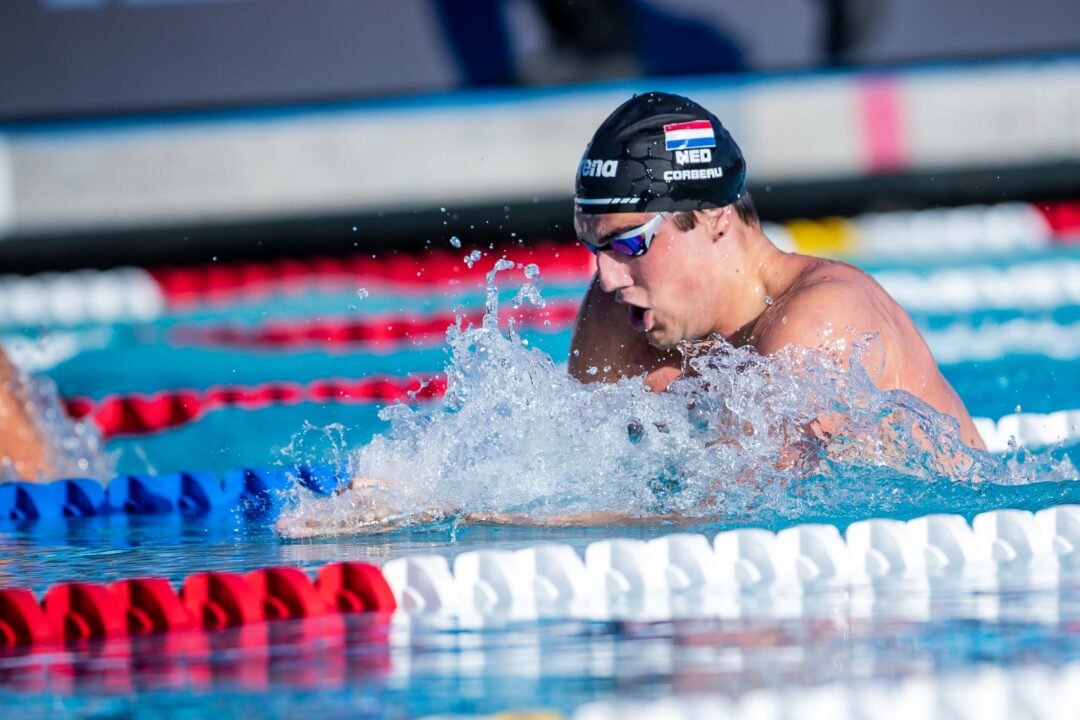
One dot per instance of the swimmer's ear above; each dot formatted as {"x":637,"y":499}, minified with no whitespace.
{"x":717,"y":220}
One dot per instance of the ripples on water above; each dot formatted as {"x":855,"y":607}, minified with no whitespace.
{"x":727,"y":443}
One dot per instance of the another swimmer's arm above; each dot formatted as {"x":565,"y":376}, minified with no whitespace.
{"x":20,"y":442}
{"x":604,"y":348}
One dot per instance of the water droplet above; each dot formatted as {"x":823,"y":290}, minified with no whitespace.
{"x":455,"y":241}
{"x":592,"y":370}
{"x":532,"y":271}
{"x":362,"y":293}
{"x":769,"y":301}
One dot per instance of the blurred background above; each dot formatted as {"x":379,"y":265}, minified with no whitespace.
{"x":222,"y":221}
{"x":153,"y":131}
{"x":232,"y":232}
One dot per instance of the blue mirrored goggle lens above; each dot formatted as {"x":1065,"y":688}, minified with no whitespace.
{"x":624,"y":246}
{"x":634,"y":243}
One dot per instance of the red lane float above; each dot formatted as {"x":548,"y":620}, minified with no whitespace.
{"x":150,"y":605}
{"x":138,"y":414}
{"x":22,"y":621}
{"x":220,"y":282}
{"x":220,"y":599}
{"x":81,"y":611}
{"x":381,"y":331}
{"x":78,"y":611}
{"x":354,"y":587}
{"x":1063,"y":218}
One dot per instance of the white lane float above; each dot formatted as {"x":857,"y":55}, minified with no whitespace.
{"x":748,"y":571}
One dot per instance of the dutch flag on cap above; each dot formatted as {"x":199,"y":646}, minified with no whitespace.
{"x":686,"y":135}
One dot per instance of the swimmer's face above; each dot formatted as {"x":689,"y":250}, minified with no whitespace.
{"x":670,"y":292}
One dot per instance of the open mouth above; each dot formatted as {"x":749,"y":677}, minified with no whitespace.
{"x":637,"y":317}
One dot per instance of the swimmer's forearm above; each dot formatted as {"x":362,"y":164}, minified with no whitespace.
{"x":373,"y":522}
{"x":591,"y":519}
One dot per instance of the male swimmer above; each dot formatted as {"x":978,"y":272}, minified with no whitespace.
{"x":661,"y":201}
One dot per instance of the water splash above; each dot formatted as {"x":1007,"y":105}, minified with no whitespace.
{"x":738,"y":439}
{"x":73,"y":449}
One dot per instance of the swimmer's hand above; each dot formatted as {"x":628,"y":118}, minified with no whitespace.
{"x":361,"y":508}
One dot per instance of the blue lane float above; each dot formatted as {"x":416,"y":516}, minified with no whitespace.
{"x":183,"y":492}
{"x":63,"y":498}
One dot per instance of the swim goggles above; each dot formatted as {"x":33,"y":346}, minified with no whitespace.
{"x":632,"y":243}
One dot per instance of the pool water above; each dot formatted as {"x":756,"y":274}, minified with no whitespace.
{"x":373,"y":667}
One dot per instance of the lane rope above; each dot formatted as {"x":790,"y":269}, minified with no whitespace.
{"x":203,"y":492}
{"x":137,"y":295}
{"x":145,"y":413}
{"x":800,"y":571}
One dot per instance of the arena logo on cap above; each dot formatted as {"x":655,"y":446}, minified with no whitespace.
{"x":686,"y":135}
{"x":599,"y":168}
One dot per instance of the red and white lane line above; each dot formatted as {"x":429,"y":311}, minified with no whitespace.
{"x":804,"y":571}
{"x":431,"y":270}
{"x":142,"y":414}
{"x":371,"y":332}
{"x":136,"y":295}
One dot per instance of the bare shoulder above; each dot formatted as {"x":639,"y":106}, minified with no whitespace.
{"x":833,"y":303}
{"x":830,"y":305}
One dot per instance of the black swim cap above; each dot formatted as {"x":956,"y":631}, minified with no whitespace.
{"x":656,"y":152}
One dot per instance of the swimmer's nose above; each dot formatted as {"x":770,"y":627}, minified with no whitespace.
{"x":613,"y":274}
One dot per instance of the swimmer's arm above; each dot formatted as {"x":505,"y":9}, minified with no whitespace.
{"x":19,"y":439}
{"x":605,"y":343}
{"x":373,"y":519}
{"x":583,"y":520}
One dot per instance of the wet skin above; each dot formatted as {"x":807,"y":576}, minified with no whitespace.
{"x":20,"y":441}
{"x":714,"y":279}
{"x":690,"y":285}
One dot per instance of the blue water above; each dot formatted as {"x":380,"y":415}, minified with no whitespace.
{"x":371,"y":669}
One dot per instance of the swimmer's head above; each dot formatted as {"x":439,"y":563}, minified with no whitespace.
{"x":661,"y":199}
{"x":659,"y":152}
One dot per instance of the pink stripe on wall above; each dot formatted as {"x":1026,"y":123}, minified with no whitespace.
{"x":884,"y":147}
